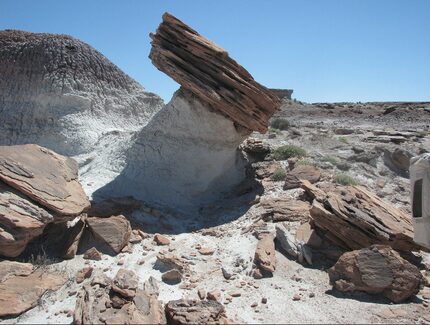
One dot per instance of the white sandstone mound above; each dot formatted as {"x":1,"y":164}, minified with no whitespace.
{"x":61,"y":93}
{"x":186,"y":156}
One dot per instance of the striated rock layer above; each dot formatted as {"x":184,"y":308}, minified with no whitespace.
{"x":206,"y":69}
{"x":61,"y":93}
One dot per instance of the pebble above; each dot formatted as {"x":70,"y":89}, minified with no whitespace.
{"x":264,"y":300}
{"x":201,"y":293}
{"x":311,"y":295}
{"x":296,"y":297}
{"x":254,"y":304}
{"x":214,"y":295}
{"x":161,"y":240}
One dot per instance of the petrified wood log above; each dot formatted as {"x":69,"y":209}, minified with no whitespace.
{"x":207,"y":70}
{"x":356,"y":218}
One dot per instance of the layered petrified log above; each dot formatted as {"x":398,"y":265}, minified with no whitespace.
{"x":206,"y":69}
{"x":355,"y":218}
{"x":44,"y":176}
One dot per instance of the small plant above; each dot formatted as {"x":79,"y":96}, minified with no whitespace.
{"x":343,"y":139}
{"x":288,"y":151}
{"x":273,"y":130}
{"x":279,"y":174}
{"x":344,"y":179}
{"x":306,"y":162}
{"x":330,"y":159}
{"x":280,"y":124}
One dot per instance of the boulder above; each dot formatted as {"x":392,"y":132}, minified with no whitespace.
{"x":184,"y":311}
{"x":264,"y":257}
{"x":398,"y":161}
{"x":21,"y":221}
{"x":302,"y":172}
{"x":44,"y":176}
{"x":355,"y":218}
{"x":286,"y":240}
{"x":114,"y":231}
{"x":206,"y":70}
{"x":284,"y":208}
{"x":376,"y":270}
{"x":256,"y":148}
{"x":22,"y":286}
{"x":125,"y":283}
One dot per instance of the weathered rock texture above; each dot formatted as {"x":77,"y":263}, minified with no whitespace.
{"x":207,"y":70}
{"x":282,"y":93}
{"x":61,"y":93}
{"x":355,"y":218}
{"x":103,"y":302}
{"x":45,"y":177}
{"x":376,"y":270}
{"x":21,"y":286}
{"x":37,"y":187}
{"x":181,"y":312}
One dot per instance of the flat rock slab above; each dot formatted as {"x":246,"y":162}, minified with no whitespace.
{"x":376,"y":270}
{"x":195,"y":312}
{"x":284,"y":208}
{"x":21,"y":220}
{"x":300,"y":173}
{"x":46,"y":177}
{"x":21,"y":290}
{"x":206,"y":70}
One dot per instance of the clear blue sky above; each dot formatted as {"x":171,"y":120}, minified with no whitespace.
{"x":326,"y":50}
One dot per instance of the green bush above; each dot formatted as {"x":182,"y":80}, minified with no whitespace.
{"x":288,"y":151}
{"x":280,"y":124}
{"x":343,"y":139}
{"x":330,"y":159}
{"x":307,"y":162}
{"x":279,"y":174}
{"x":344,"y":179}
{"x":272,"y":130}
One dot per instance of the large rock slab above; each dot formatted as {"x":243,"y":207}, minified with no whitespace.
{"x":21,"y":290}
{"x":376,"y":270}
{"x":183,"y":311}
{"x":114,"y":231}
{"x":284,"y":208}
{"x":20,"y":221}
{"x":206,"y":69}
{"x":356,"y":218}
{"x":46,"y":177}
{"x":302,"y":172}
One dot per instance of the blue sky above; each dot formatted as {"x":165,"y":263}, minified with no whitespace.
{"x":326,"y":50}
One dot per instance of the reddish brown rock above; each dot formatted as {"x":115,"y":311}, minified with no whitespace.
{"x":161,"y":240}
{"x":73,"y":242}
{"x":184,"y":311}
{"x":83,"y":274}
{"x":46,"y":177}
{"x":302,"y":172}
{"x":376,"y":270}
{"x":21,"y":221}
{"x":114,"y":231}
{"x":207,"y":70}
{"x":93,"y":254}
{"x":284,"y":208}
{"x":265,"y":258}
{"x":21,"y":290}
{"x":125,"y":283}
{"x":355,"y":218}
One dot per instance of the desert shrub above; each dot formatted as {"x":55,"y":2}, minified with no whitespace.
{"x":279,"y":174}
{"x":307,"y":162}
{"x":288,"y":151}
{"x":330,"y":159}
{"x":280,"y":124}
{"x":344,"y":179}
{"x":273,"y":130}
{"x":343,"y":139}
